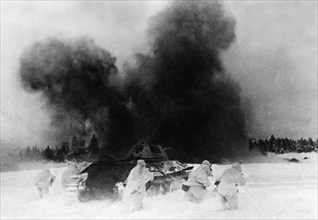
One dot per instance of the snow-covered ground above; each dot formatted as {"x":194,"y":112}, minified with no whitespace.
{"x":274,"y":191}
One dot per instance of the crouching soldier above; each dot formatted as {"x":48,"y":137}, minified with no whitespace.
{"x":198,"y":182}
{"x":227,"y":187}
{"x":73,"y":182}
{"x":136,"y":185}
{"x":67,"y":176}
{"x":74,"y":187}
{"x":43,"y":181}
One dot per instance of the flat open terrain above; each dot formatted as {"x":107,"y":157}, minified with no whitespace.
{"x":273,"y":191}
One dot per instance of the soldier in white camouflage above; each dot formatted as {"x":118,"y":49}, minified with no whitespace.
{"x":198,"y":182}
{"x":43,"y":181}
{"x":136,"y":185}
{"x":227,"y":187}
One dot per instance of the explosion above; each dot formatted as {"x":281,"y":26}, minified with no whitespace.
{"x":178,"y":95}
{"x":182,"y":86}
{"x":74,"y":79}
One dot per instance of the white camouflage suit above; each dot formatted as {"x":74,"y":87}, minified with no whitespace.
{"x":70,"y":171}
{"x":227,"y":188}
{"x":198,"y":182}
{"x":136,"y":185}
{"x":43,"y":181}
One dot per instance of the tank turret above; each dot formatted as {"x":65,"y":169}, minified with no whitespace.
{"x":103,"y":176}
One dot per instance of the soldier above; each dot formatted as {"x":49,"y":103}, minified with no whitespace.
{"x":70,"y":171}
{"x":227,"y":187}
{"x":71,"y":181}
{"x":136,"y":185}
{"x":198,"y":182}
{"x":43,"y":181}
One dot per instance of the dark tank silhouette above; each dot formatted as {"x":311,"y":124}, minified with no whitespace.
{"x":104,"y":175}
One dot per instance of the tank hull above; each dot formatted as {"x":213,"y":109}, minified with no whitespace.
{"x":103,"y":178}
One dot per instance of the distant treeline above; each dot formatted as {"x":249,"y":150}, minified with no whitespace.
{"x":283,"y":145}
{"x":76,"y":149}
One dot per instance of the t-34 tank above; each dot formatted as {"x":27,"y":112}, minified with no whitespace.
{"x":104,"y":175}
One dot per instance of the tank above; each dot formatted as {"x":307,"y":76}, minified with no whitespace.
{"x":104,"y":177}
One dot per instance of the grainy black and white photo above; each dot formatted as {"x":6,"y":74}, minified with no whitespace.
{"x":194,"y":109}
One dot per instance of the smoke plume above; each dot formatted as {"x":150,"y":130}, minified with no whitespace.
{"x":181,"y":94}
{"x":74,"y":79}
{"x":178,"y":95}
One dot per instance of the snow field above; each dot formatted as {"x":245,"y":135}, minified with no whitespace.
{"x":273,"y":191}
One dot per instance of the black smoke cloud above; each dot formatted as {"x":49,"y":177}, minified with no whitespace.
{"x":180,"y":92}
{"x":178,"y":95}
{"x":74,"y":79}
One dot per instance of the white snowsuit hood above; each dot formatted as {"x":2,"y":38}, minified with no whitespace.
{"x":237,"y":166}
{"x":199,"y":177}
{"x":230,"y":179}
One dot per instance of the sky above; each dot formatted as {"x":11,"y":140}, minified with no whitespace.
{"x":274,"y":58}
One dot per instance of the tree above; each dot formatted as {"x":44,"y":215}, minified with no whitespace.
{"x":93,"y":147}
{"x":81,"y":146}
{"x":74,"y":144}
{"x":59,"y":157}
{"x":310,"y":142}
{"x":36,"y":153}
{"x":65,"y":147}
{"x":21,"y":154}
{"x":49,"y":153}
{"x":28,"y":153}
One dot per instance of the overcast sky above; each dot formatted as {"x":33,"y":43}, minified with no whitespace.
{"x":274,"y":57}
